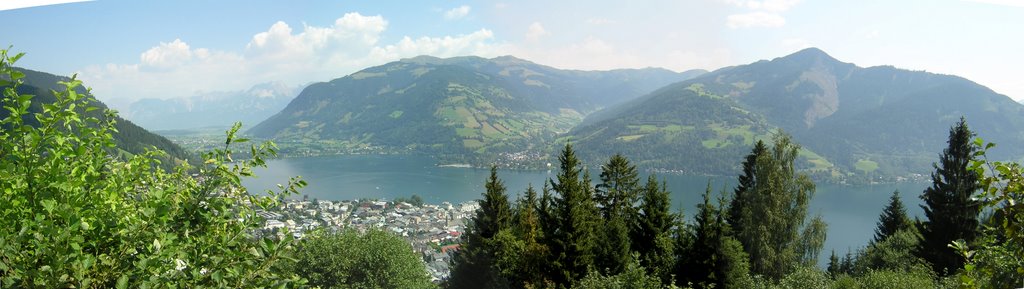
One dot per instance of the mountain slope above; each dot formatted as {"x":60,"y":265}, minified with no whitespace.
{"x":456,"y":107}
{"x":129,"y":137}
{"x":219,"y":109}
{"x":867,"y":120}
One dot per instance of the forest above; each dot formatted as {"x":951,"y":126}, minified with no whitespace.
{"x":74,"y":213}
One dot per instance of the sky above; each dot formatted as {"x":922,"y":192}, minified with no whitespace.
{"x":128,"y":50}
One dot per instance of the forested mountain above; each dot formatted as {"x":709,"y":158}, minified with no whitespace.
{"x":457,"y":106}
{"x":129,"y":137}
{"x":880,"y":120}
{"x":219,"y":109}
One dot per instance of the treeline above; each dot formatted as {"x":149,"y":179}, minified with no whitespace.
{"x":621,"y":234}
{"x":574,"y":233}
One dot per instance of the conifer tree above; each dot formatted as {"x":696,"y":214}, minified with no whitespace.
{"x":894,"y":218}
{"x":617,"y":192}
{"x":616,"y":196}
{"x":652,"y":234}
{"x":702,"y":257}
{"x":746,"y":182}
{"x":573,"y":239}
{"x":533,"y":262}
{"x":833,"y":264}
{"x":951,"y":214}
{"x":474,"y":265}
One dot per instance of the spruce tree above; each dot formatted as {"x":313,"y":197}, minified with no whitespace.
{"x":533,"y":261}
{"x":617,"y":192}
{"x":894,"y":218}
{"x":474,"y":265}
{"x":573,"y":239}
{"x":746,"y":183}
{"x":616,"y":196}
{"x":951,"y":214}
{"x":652,"y":234}
{"x":702,"y":256}
{"x":833,"y":264}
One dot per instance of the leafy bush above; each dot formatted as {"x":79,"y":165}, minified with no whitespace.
{"x":348,"y":259}
{"x":73,"y":215}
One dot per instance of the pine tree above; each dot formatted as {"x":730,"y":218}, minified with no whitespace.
{"x":617,"y":192}
{"x":702,"y":257}
{"x":652,"y":233}
{"x":533,"y":262}
{"x":616,"y":196}
{"x":894,"y":218}
{"x":833,"y":264}
{"x":474,"y":265}
{"x":950,"y":212}
{"x":573,"y":239}
{"x":746,"y":182}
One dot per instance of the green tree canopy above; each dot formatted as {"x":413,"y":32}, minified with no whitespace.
{"x":950,"y":211}
{"x":349,"y":259}
{"x":74,"y":215}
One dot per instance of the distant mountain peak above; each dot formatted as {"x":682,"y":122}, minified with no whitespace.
{"x":809,"y":56}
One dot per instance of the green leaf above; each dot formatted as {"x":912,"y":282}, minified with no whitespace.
{"x":122,"y":282}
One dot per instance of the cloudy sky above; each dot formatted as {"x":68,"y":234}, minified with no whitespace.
{"x":127,"y":50}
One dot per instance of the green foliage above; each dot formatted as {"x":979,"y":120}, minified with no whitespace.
{"x":616,"y":196}
{"x":129,"y":139}
{"x":349,"y":259}
{"x":714,"y":259}
{"x":772,"y":222}
{"x":745,"y":183}
{"x":996,"y":260}
{"x":573,"y":240}
{"x":895,"y":252}
{"x":632,"y":276}
{"x":487,"y":258}
{"x":893,"y":219}
{"x":950,"y":210}
{"x":73,"y":215}
{"x":652,"y":236}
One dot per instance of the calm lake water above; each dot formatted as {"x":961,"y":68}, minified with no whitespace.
{"x":850,"y":211}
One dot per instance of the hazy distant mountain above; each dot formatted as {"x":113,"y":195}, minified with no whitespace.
{"x":130,"y":137}
{"x":212,"y":108}
{"x":457,"y":105}
{"x":876,"y":119}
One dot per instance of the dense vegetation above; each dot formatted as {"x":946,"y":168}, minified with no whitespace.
{"x":619,"y":234}
{"x":71,"y":215}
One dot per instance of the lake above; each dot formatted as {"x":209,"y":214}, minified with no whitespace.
{"x":850,"y":211}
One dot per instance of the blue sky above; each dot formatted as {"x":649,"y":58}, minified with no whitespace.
{"x":128,"y":50}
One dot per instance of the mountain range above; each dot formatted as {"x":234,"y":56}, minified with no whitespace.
{"x":464,"y":108}
{"x":212,"y":109}
{"x":876,"y":120}
{"x":851,"y":120}
{"x":129,"y":137}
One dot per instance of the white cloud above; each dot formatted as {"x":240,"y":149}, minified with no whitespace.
{"x":536,"y":31}
{"x":755,"y":19}
{"x":281,"y":53}
{"x":457,"y":12}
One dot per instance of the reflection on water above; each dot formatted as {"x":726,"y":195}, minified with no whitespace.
{"x":850,"y":211}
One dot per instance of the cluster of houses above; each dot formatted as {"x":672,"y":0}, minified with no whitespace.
{"x":432,"y":230}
